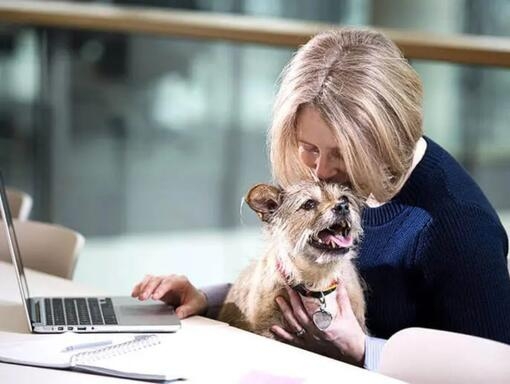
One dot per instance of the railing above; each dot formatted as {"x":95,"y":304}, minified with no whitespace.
{"x":465,"y":49}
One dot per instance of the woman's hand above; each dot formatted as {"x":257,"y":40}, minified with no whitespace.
{"x":342,"y":340}
{"x":174,"y":290}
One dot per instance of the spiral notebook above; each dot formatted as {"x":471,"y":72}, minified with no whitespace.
{"x":140,"y":357}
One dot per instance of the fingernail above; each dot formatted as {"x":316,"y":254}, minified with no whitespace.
{"x":180,"y":314}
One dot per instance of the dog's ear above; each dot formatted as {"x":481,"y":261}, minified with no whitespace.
{"x":264,"y":199}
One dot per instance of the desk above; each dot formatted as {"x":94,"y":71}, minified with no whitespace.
{"x":229,"y":355}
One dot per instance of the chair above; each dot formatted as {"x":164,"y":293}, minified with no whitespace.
{"x":20,"y":203}
{"x":45,"y":247}
{"x":419,"y":355}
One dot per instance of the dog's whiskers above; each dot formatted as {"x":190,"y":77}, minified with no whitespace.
{"x":303,"y":240}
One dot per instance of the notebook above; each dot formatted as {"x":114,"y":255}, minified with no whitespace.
{"x":140,"y":357}
{"x":82,"y":314}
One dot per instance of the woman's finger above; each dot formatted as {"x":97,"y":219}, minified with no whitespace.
{"x":288,"y":314}
{"x":150,"y":286}
{"x":298,"y":308}
{"x":165,"y":287}
{"x":342,"y":298}
{"x":137,"y":291}
{"x":286,"y":336}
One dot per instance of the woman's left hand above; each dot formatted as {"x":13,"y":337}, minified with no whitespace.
{"x":343,"y":340}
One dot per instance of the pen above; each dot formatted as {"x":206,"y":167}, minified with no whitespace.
{"x":86,"y":345}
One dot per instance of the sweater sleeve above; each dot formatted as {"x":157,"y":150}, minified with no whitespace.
{"x":215,"y":295}
{"x":467,"y":284}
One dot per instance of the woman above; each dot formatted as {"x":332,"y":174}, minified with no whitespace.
{"x":434,"y":251}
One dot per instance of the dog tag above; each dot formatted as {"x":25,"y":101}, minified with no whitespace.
{"x":322,"y":318}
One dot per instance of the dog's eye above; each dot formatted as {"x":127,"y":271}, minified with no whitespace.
{"x":309,"y":204}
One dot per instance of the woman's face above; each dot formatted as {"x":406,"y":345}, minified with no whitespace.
{"x":317,"y":146}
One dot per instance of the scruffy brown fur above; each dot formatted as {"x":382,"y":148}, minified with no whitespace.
{"x":294,"y":221}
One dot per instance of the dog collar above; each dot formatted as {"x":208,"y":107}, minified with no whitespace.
{"x":301,"y":289}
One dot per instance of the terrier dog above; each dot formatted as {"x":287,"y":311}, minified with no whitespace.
{"x":313,"y":232}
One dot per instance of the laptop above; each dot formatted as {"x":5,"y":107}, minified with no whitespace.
{"x":83,"y":314}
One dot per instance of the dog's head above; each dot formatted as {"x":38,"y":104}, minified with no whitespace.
{"x":319,"y":221}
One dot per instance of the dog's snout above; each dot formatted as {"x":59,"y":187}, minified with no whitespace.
{"x":342,"y":207}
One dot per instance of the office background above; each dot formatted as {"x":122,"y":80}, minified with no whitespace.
{"x":146,"y":144}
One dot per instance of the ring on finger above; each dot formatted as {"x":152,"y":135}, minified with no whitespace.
{"x":300,"y":333}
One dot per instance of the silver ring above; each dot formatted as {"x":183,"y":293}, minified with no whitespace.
{"x":301,"y":332}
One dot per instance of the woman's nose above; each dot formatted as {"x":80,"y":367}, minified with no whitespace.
{"x":324,"y":169}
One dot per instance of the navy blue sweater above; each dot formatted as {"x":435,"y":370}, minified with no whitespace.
{"x":435,"y":256}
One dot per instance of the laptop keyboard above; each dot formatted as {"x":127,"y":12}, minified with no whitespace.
{"x":79,"y":311}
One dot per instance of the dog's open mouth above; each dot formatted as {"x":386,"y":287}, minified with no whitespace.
{"x":335,"y":238}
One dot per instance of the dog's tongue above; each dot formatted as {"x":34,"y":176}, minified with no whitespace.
{"x":341,"y":241}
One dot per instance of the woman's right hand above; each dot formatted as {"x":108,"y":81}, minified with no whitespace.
{"x":175,"y":290}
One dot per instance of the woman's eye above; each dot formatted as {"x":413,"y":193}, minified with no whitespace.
{"x":308,"y":205}
{"x":310,"y":149}
{"x":335,"y":155}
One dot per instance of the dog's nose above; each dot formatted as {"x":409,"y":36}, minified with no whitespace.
{"x":342,"y":207}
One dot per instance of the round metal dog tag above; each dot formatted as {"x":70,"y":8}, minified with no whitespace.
{"x":322,"y":319}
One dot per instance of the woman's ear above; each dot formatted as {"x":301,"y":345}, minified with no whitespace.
{"x":264,"y":199}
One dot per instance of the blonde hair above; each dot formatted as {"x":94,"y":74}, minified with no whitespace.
{"x":367,"y":93}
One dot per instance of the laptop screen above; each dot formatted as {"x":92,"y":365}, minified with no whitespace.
{"x":12,"y":245}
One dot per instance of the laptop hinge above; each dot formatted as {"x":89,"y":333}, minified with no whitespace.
{"x":35,"y":310}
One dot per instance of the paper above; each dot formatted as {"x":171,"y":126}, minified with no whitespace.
{"x":48,"y":351}
{"x":143,"y":357}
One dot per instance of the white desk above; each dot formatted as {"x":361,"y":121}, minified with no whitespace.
{"x":230,"y":355}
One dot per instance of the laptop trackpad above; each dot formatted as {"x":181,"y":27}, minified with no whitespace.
{"x":131,"y":311}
